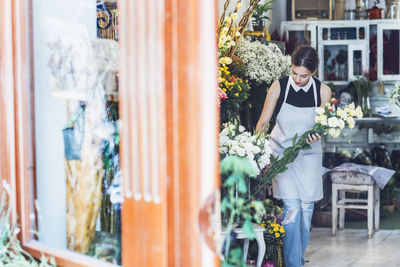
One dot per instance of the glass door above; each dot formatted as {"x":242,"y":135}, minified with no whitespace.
{"x":388,"y":51}
{"x":358,"y":62}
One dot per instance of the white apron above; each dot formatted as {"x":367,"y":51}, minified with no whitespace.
{"x":303,"y":178}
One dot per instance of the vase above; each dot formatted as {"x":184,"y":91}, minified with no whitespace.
{"x":258,"y":25}
{"x":365,"y":106}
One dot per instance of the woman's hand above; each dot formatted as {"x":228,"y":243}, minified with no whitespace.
{"x":312,"y":138}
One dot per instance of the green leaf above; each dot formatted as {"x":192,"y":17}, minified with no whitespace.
{"x":226,"y":264}
{"x":242,"y":187}
{"x":248,"y":230}
{"x":232,"y":180}
{"x":259,"y":206}
{"x":236,"y":255}
{"x":240,"y":202}
{"x":294,"y":140}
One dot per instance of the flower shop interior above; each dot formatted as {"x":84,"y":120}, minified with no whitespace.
{"x":357,"y":42}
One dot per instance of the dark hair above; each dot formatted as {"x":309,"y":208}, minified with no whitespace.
{"x":305,"y":56}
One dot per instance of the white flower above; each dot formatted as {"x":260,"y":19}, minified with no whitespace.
{"x":350,"y":121}
{"x":334,"y":132}
{"x":320,"y":110}
{"x":237,"y":34}
{"x":323,"y":120}
{"x":250,"y":156}
{"x":223,"y":140}
{"x":267,"y":150}
{"x":341,"y":124}
{"x":332,"y":122}
{"x":241,"y":129}
{"x":239,"y":5}
{"x":337,"y":133}
{"x":341,"y":113}
{"x":358,"y":112}
{"x":241,"y":152}
{"x":263,"y":63}
{"x":256,"y":150}
{"x":255,"y":166}
{"x":223,"y":150}
{"x":225,"y":131}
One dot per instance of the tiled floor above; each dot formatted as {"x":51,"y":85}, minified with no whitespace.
{"x":352,"y":248}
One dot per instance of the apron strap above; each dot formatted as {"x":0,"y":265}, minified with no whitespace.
{"x":315,"y":92}
{"x":287,"y":89}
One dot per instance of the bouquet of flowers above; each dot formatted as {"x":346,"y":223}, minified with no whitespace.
{"x":394,"y":96}
{"x":274,"y":231}
{"x":263,"y":63}
{"x":234,"y":140}
{"x":327,"y":121}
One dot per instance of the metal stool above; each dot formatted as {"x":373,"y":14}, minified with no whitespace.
{"x":349,"y":181}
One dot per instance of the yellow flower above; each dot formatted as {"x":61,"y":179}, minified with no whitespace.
{"x":282,"y":230}
{"x":237,"y":34}
{"x":228,"y":20}
{"x":222,"y":60}
{"x":277,"y":235}
{"x":234,"y":16}
{"x":237,"y":94}
{"x":270,"y":231}
{"x":262,"y":225}
{"x":239,"y":6}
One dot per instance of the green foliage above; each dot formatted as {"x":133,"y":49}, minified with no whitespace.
{"x":11,"y":253}
{"x":235,"y":205}
{"x":260,"y":9}
{"x":363,"y":87}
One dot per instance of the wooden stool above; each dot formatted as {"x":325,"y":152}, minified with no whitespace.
{"x":260,"y":242}
{"x":349,"y":181}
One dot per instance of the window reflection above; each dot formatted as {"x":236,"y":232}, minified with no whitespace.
{"x":77,"y":126}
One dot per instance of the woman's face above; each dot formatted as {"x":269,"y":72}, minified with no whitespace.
{"x":300,"y":75}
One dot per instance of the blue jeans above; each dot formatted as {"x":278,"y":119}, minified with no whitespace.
{"x":296,"y":222}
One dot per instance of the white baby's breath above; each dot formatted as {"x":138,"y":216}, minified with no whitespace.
{"x":235,"y":140}
{"x":264,"y":63}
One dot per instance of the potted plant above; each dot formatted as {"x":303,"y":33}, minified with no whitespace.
{"x":259,"y":15}
{"x":363,"y":88}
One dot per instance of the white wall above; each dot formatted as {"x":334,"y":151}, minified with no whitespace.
{"x":50,"y":118}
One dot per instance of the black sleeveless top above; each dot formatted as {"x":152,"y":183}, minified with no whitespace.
{"x":298,"y":99}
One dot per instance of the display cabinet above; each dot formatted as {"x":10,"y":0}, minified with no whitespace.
{"x":349,"y":48}
{"x":296,"y":33}
{"x":343,"y":50}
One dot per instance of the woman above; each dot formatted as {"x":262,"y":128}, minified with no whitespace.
{"x":293,"y":100}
